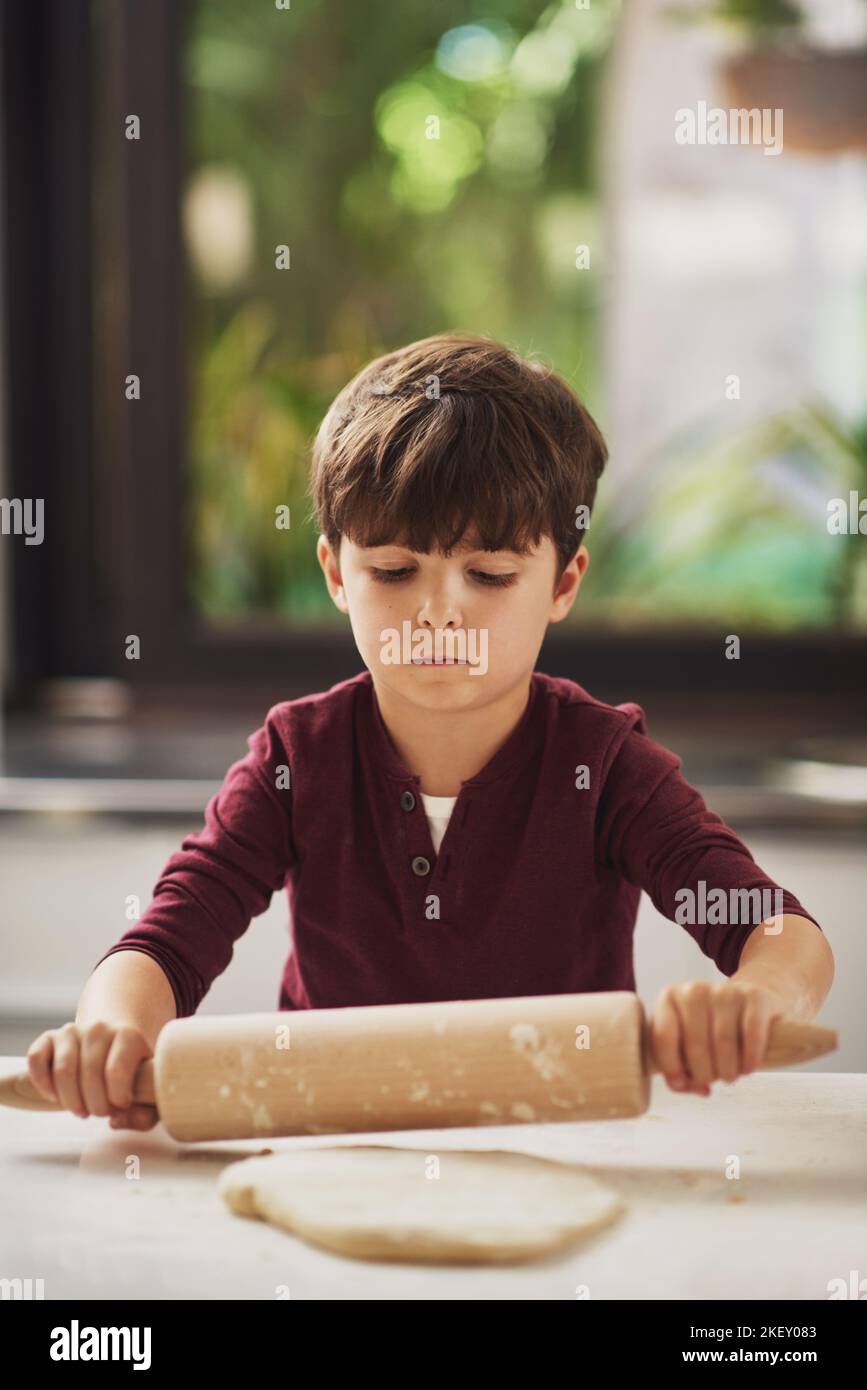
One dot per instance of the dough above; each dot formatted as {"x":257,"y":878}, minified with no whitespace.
{"x":378,"y":1203}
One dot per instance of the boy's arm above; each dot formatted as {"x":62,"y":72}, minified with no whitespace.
{"x":797,"y":964}
{"x":655,"y":829}
{"x":221,"y":877}
{"x":128,"y":989}
{"x":164,"y":964}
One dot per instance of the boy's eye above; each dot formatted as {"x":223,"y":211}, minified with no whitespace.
{"x":394,"y":576}
{"x":493,"y":578}
{"x":390,"y":576}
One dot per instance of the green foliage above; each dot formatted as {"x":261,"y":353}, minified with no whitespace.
{"x":759,"y":20}
{"x":731,"y":527}
{"x":320,"y":115}
{"x":761,"y":15}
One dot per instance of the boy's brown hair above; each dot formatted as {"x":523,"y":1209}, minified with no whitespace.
{"x":450,"y":431}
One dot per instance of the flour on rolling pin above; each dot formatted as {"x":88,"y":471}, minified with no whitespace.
{"x":403,"y":1066}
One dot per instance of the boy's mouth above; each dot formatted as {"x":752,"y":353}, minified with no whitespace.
{"x":430,"y":661}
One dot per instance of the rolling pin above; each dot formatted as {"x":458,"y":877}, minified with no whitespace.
{"x":533,"y":1060}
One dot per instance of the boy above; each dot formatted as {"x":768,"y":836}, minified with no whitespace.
{"x":451,"y":823}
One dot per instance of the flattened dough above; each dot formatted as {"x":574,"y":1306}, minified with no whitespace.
{"x":377,"y":1203}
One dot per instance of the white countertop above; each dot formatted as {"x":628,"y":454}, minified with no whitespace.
{"x":795,"y":1219}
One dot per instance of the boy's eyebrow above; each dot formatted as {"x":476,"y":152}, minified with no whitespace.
{"x":505,"y":550}
{"x":464,"y":547}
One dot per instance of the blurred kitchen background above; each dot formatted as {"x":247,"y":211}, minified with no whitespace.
{"x":709,"y":302}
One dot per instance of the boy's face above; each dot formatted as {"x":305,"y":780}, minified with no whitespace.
{"x":449,"y":633}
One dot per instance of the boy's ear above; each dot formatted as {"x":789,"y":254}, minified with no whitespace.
{"x":331,"y":569}
{"x":566,"y":588}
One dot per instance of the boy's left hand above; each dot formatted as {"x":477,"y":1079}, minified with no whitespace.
{"x":703,"y":1032}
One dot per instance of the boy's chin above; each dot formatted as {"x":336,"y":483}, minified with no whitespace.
{"x":434,"y":687}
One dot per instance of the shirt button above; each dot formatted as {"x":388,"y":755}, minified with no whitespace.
{"x":407,"y":801}
{"x":420,"y":865}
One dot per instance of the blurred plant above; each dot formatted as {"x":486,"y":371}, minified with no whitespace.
{"x":254,"y":414}
{"x":830,"y":435}
{"x":757,"y":20}
{"x":736,"y":529}
{"x":315,"y":134}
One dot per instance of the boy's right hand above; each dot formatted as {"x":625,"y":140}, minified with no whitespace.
{"x":89,"y":1069}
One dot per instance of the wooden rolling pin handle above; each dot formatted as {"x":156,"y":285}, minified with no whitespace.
{"x":18,"y":1090}
{"x":788,"y":1042}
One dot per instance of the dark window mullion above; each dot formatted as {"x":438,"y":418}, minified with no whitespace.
{"x":152,"y":427}
{"x":47,"y":330}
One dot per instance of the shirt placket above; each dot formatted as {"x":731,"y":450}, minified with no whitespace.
{"x":430,"y":872}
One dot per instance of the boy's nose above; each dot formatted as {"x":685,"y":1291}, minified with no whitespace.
{"x":435,"y":613}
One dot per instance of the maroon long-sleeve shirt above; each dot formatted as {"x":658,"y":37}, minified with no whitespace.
{"x":535,"y":889}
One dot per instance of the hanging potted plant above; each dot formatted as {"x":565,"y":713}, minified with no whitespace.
{"x":775,"y":65}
